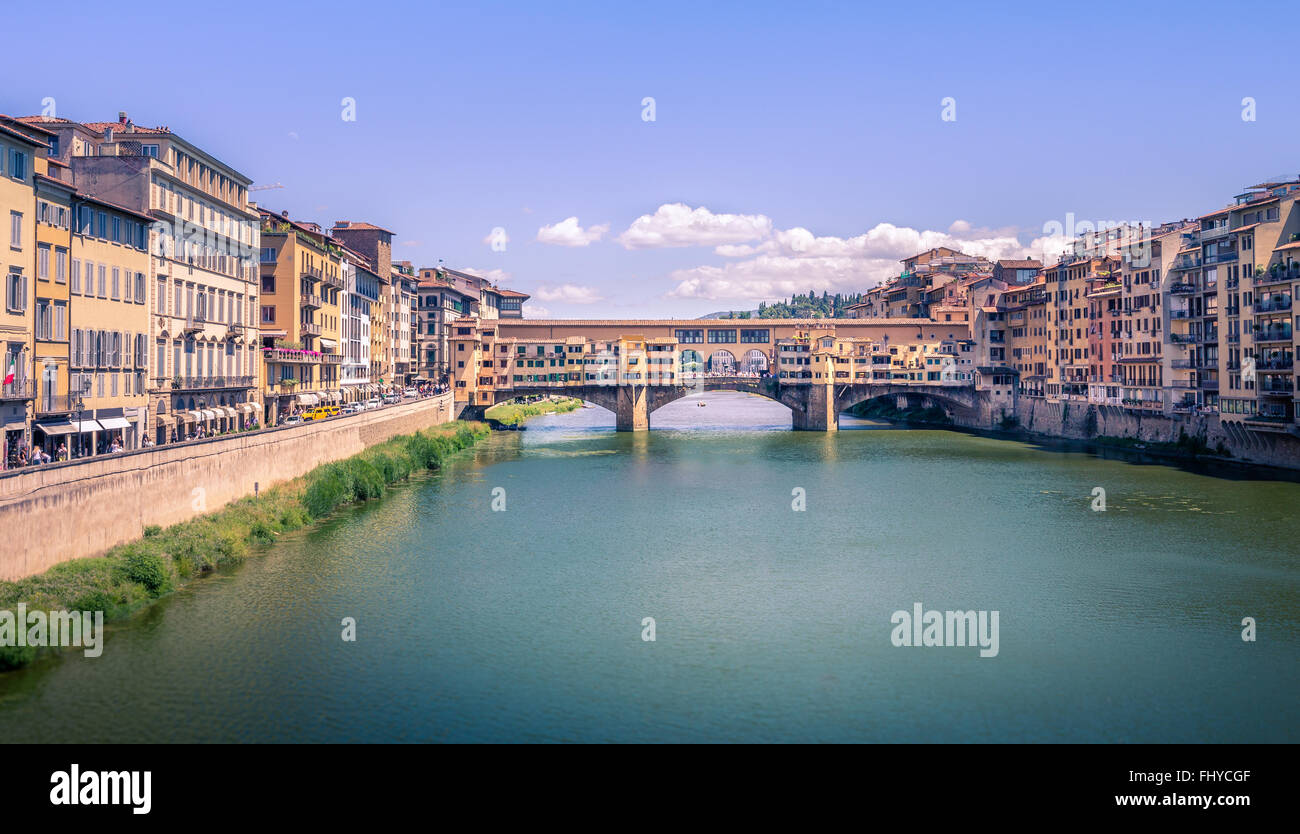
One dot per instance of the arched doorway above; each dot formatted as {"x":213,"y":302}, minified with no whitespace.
{"x":755,"y":362}
{"x":722,"y":362}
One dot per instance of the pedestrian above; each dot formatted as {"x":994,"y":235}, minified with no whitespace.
{"x":63,"y":451}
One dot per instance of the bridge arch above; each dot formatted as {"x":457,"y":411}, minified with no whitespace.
{"x":722,"y":361}
{"x":691,"y":361}
{"x":754,"y":362}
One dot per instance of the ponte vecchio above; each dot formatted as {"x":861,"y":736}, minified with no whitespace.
{"x":815,"y":367}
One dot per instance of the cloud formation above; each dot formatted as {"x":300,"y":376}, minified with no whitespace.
{"x":775,"y":263}
{"x":568,"y":294}
{"x":677,"y":224}
{"x":568,"y":233}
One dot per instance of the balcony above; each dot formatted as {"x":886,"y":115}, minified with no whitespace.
{"x":22,"y":389}
{"x":1285,"y":362}
{"x":1276,"y":387}
{"x":1278,"y":275}
{"x":1273,"y":305}
{"x":56,"y":404}
{"x":1187,"y":262}
{"x":289,"y":355}
{"x":203,"y":383}
{"x":1220,"y":258}
{"x":1182,"y":364}
{"x":311,"y":274}
{"x":193,"y":324}
{"x":1183,"y":338}
{"x":1213,"y":232}
{"x":1182,"y":288}
{"x":310,"y":328}
{"x":311,"y":300}
{"x":1273,"y":334}
{"x":1179,"y":314}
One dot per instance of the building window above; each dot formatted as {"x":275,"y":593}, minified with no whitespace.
{"x":15,"y":230}
{"x":16,"y":292}
{"x":690,"y":337}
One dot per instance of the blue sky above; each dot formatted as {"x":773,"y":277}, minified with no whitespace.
{"x":805,"y":140}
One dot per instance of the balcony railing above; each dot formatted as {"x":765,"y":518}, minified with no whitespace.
{"x":1220,"y":258}
{"x":1187,"y":262}
{"x":311,"y":300}
{"x":1181,"y":363}
{"x":306,"y":357}
{"x":1286,"y":362}
{"x":22,"y":389}
{"x":1182,"y":288}
{"x":1280,"y":275}
{"x":1273,"y":334}
{"x":198,"y":383}
{"x":193,"y":324}
{"x":1273,"y":305}
{"x":55,"y":403}
{"x":1275,"y":385}
{"x":310,"y":329}
{"x":1183,"y":338}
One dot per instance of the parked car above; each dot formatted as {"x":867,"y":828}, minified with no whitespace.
{"x":331,"y":410}
{"x":392,"y":398}
{"x":373,"y":402}
{"x":352,"y":408}
{"x":293,"y":420}
{"x":317,"y":413}
{"x":410,"y":392}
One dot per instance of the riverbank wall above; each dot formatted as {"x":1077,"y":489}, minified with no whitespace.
{"x":1207,"y":434}
{"x":65,"y":511}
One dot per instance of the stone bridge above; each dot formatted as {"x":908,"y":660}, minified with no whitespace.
{"x":814,"y":406}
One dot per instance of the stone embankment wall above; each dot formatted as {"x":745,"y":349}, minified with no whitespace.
{"x":69,"y":510}
{"x":1083,"y":421}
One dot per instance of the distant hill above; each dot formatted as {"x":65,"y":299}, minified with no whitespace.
{"x":810,"y":306}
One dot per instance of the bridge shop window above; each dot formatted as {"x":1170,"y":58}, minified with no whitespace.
{"x":722,"y":337}
{"x":754,"y":336}
{"x":690,"y":337}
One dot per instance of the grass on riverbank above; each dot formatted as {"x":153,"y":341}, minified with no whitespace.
{"x":512,"y":414}
{"x":131,"y":575}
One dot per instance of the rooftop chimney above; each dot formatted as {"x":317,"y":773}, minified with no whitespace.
{"x":121,"y":117}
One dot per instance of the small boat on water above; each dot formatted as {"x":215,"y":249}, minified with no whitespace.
{"x":701,"y":405}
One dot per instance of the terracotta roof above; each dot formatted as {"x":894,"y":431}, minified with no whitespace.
{"x":1216,"y":213}
{"x":1287,"y":246}
{"x":509,"y":293}
{"x":18,"y":134}
{"x":348,"y":225}
{"x":87,"y":198}
{"x":119,"y":128}
{"x":32,"y":125}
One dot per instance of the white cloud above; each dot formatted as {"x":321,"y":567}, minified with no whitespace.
{"x":536,"y":311}
{"x":677,"y":224}
{"x":568,"y":233}
{"x":796,"y":261}
{"x":568,"y":294}
{"x":493,"y":276}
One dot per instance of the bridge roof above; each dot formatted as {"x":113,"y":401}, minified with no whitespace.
{"x":696,"y":324}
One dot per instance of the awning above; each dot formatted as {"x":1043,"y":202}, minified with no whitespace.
{"x":56,"y":427}
{"x":207,"y":414}
{"x":247,"y":408}
{"x":87,"y":425}
{"x":188,"y":416}
{"x":230,"y":412}
{"x":308,"y":399}
{"x":115,"y":423}
{"x":166,"y":420}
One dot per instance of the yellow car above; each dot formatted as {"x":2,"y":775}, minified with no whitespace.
{"x":320,"y":412}
{"x":332,"y":410}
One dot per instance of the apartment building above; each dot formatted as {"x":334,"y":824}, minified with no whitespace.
{"x":449,"y":295}
{"x":403,"y":322}
{"x":1254,"y":247}
{"x":301,"y":287}
{"x":361,"y":291}
{"x":18,"y":154}
{"x":1028,"y":334}
{"x":203,"y":361}
{"x":1156,"y":373}
{"x":375,"y":244}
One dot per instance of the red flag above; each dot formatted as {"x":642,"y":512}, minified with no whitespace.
{"x":9,"y":375}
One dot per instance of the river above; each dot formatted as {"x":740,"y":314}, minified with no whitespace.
{"x":771,"y":623}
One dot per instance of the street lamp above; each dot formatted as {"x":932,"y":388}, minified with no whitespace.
{"x":81,"y":405}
